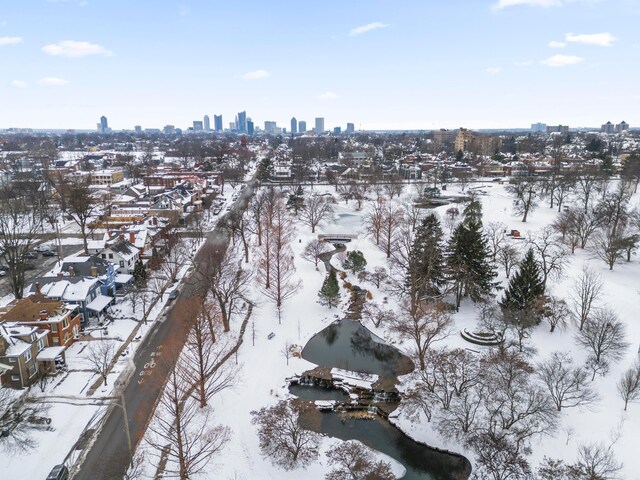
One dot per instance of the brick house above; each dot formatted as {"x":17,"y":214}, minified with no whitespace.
{"x":61,"y":321}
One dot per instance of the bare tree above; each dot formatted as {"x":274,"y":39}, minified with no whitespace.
{"x":596,"y":461}
{"x":282,"y":438}
{"x":422,"y":323}
{"x":286,"y":350}
{"x":221,"y":274}
{"x":551,"y":255}
{"x":556,"y":313}
{"x":205,"y":352}
{"x":508,"y":256}
{"x":583,"y":224}
{"x":378,"y":276}
{"x":586,"y":186}
{"x":378,"y":315}
{"x":18,"y":434}
{"x":180,"y":431}
{"x":568,"y":385}
{"x":494,"y":233}
{"x":524,"y":192}
{"x":351,"y":460}
{"x":316,"y":209}
{"x":609,"y":246}
{"x":629,"y":384}
{"x":19,"y":224}
{"x":99,"y":355}
{"x":313,"y":250}
{"x":276,"y":268}
{"x":613,"y":209}
{"x":76,"y":201}
{"x":394,"y":186}
{"x":586,"y":291}
{"x":392,"y":220}
{"x":451,"y":220}
{"x":373,"y":219}
{"x":413,"y":212}
{"x":603,"y":336}
{"x":173,"y":261}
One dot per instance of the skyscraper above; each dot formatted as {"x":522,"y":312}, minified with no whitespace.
{"x":294,"y":125}
{"x":217,"y":122}
{"x":104,"y":126}
{"x":302,"y":126}
{"x":319,"y":125}
{"x":197,"y":125}
{"x":207,"y":124}
{"x":350,"y":128}
{"x":249,"y":127}
{"x":241,"y":122}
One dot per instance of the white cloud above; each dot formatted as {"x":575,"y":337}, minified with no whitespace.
{"x":366,"y":28}
{"x":493,"y":70}
{"x":52,"y":81}
{"x":556,"y":44}
{"x":328,"y":96}
{"x":531,"y":3}
{"x":604,"y":39}
{"x":526,"y":63}
{"x":561,"y":60}
{"x":10,"y":40}
{"x":256,"y":75}
{"x":75,"y":49}
{"x":19,"y":84}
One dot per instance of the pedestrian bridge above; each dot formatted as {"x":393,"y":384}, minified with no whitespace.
{"x":336,"y":238}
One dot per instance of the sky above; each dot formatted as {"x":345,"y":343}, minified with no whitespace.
{"x":380,"y":64}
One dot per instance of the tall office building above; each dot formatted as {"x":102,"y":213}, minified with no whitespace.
{"x":270,"y":127}
{"x":241,"y":122}
{"x":350,"y":128}
{"x":294,"y":125}
{"x":249,"y":127}
{"x":319,"y":125}
{"x":539,"y":127}
{"x":104,"y":125}
{"x":169,"y":130}
{"x":337,"y":130}
{"x":302,"y":126}
{"x":217,"y":123}
{"x":137,"y":129}
{"x":207,"y":124}
{"x":197,"y":126}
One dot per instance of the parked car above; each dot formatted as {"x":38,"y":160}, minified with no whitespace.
{"x":48,"y":253}
{"x":173,"y":295}
{"x":30,"y":255}
{"x":41,"y":248}
{"x":59,"y":472}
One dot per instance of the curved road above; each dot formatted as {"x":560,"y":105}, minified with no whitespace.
{"x":108,"y":456}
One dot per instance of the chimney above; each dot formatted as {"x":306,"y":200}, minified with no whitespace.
{"x":94,"y":271}
{"x":132,"y":237}
{"x":155,"y":221}
{"x":72,"y":272}
{"x":44,"y":314}
{"x":38,"y":288}
{"x":121,"y":236}
{"x":60,"y":274}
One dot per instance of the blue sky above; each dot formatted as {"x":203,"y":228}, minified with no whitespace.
{"x":402,"y":64}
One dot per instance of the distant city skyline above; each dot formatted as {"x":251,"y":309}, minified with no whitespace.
{"x":419,"y":65}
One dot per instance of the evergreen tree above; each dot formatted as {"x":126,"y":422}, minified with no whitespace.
{"x":473,"y":212}
{"x":425,"y":269}
{"x":355,"y":261}
{"x":139,"y":272}
{"x":525,"y":287}
{"x":330,"y":292}
{"x":468,"y":266}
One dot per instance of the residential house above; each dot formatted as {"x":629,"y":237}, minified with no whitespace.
{"x":61,"y":321}
{"x":123,"y":254}
{"x":19,"y":348}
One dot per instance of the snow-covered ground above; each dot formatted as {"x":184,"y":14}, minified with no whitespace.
{"x":263,"y":368}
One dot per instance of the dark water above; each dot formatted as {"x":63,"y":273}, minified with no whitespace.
{"x":420,"y":461}
{"x":349,"y":345}
{"x":316,"y":393}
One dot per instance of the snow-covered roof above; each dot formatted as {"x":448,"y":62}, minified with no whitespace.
{"x":49,"y":354}
{"x":99,"y":303}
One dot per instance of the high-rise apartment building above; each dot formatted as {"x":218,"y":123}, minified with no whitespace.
{"x":207,"y":124}
{"x":169,"y":130}
{"x":538,"y":127}
{"x":137,"y":129}
{"x":337,"y":130}
{"x":241,"y":122}
{"x":350,"y":128}
{"x":103,"y":126}
{"x":294,"y":125}
{"x":217,"y":123}
{"x":319,"y":125}
{"x":197,"y":126}
{"x":270,"y":127}
{"x":249,"y":127}
{"x":302,"y":126}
